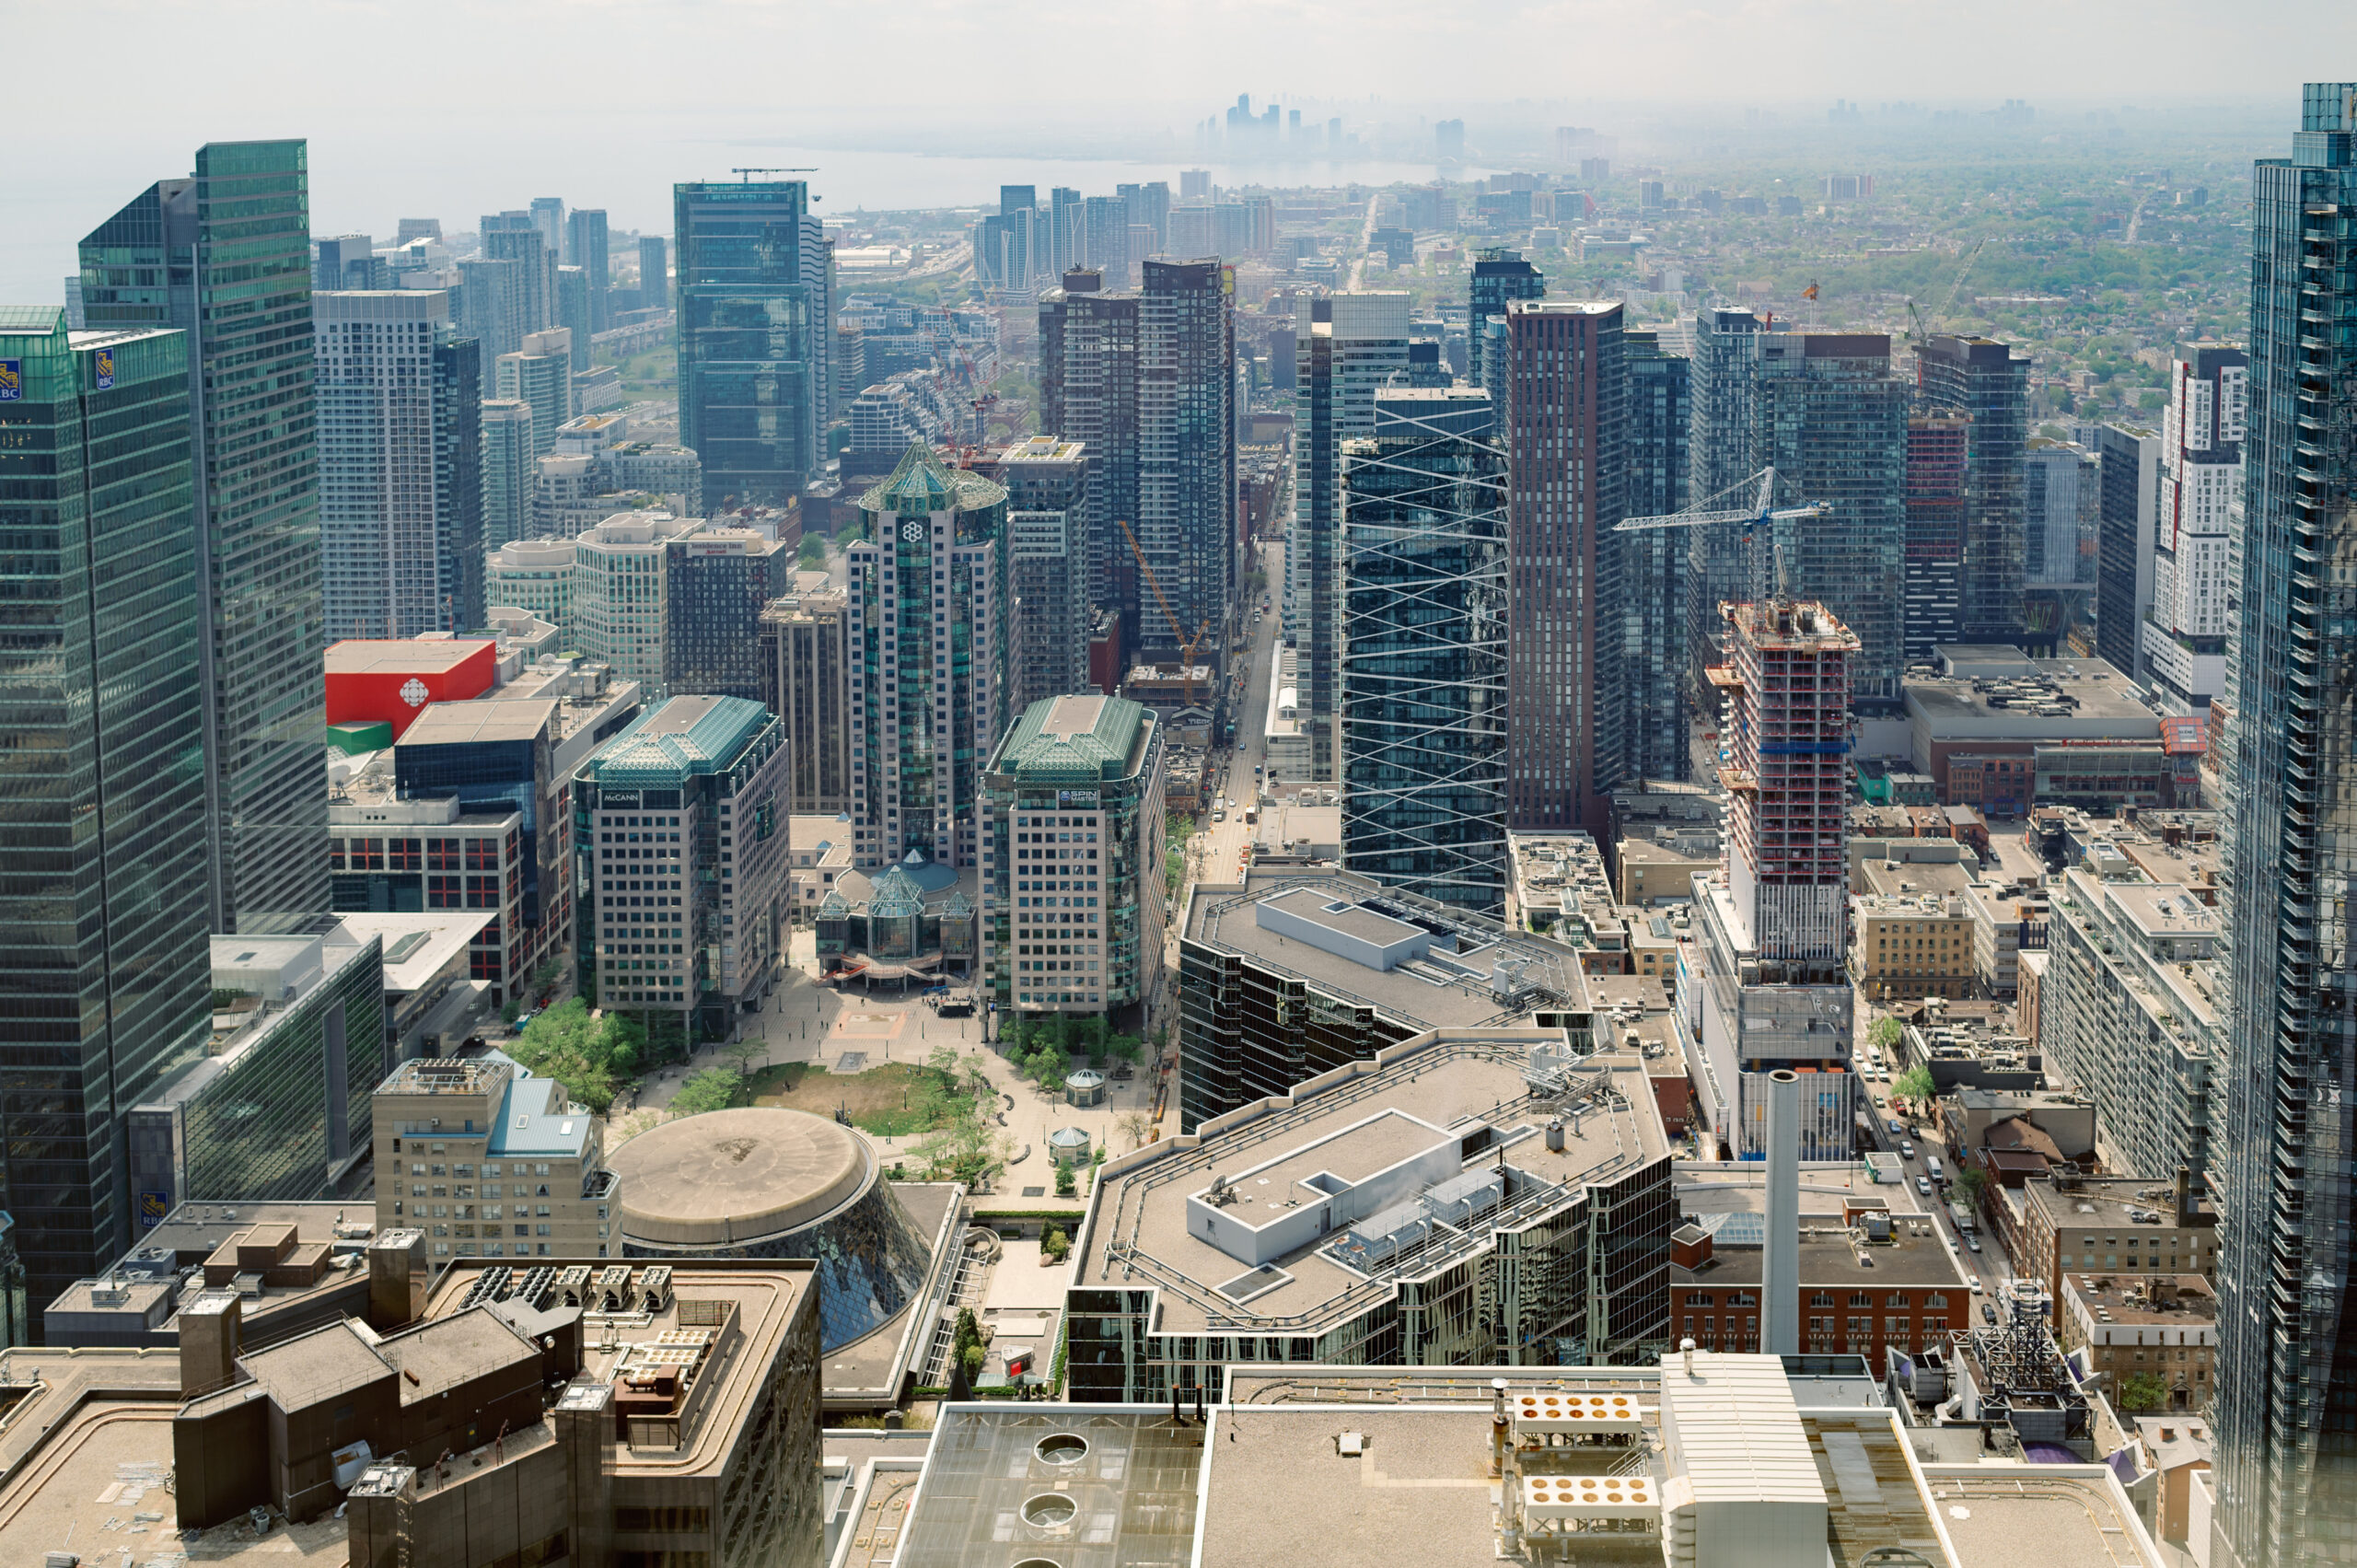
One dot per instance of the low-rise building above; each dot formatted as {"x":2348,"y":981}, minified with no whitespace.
{"x":486,"y":1159}
{"x":1556,"y":885}
{"x":1655,"y":874}
{"x":2163,"y":1326}
{"x":2115,"y":1225}
{"x":2005,"y":919}
{"x":296,"y":1267}
{"x":431,"y":999}
{"x":1910,"y":945}
{"x":1976,"y":725}
{"x":1871,"y":1281}
{"x":822,"y":853}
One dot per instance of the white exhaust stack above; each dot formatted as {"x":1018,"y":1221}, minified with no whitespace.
{"x":1780,"y":1284}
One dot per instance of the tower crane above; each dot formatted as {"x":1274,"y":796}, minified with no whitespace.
{"x":1187,"y":646}
{"x":1918,"y":331}
{"x":1763,"y":509}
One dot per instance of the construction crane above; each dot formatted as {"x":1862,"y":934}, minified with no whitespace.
{"x":1187,"y":646}
{"x":1763,"y":509}
{"x":1918,"y":331}
{"x":749,"y":173}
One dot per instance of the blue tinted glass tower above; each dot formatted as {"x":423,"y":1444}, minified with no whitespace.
{"x":749,"y":313}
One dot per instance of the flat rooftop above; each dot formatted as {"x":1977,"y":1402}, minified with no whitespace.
{"x":403,"y":655}
{"x":2113,"y":1200}
{"x":2039,"y":1516}
{"x":477,"y":720}
{"x":1915,"y":1256}
{"x":2130,"y":1298}
{"x":1138,"y":1229}
{"x":418,"y":946}
{"x":1448,"y":986}
{"x":1097,"y":1486}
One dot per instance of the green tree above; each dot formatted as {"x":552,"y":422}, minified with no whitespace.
{"x":2140,"y":1392}
{"x":1123,"y":1047}
{"x":580,"y":1053}
{"x":1969,"y":1182}
{"x":1884,"y":1034}
{"x":1066,"y":1187}
{"x":1055,"y":1246}
{"x":1915,"y":1084}
{"x":813,"y":553}
{"x":1049,"y":1066}
{"x":715,"y":1089}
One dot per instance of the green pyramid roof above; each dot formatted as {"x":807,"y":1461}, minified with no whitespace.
{"x":921,"y":482}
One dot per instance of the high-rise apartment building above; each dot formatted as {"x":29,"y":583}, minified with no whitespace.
{"x":1650,"y":567}
{"x":1829,"y":416}
{"x":1718,"y":462}
{"x":534,"y":575}
{"x":1046,"y":481}
{"x":1186,"y":510}
{"x":1072,"y":891}
{"x":1422,"y":602}
{"x":539,"y":373}
{"x":402,"y":465}
{"x":2128,"y":473}
{"x":1938,"y":456}
{"x":1088,"y":393}
{"x":654,"y":273}
{"x":546,"y":216}
{"x":488,"y":305}
{"x":105,"y":978}
{"x":927,"y":639}
{"x":1769,"y":987}
{"x":2200,"y":489}
{"x":1498,"y":277}
{"x":584,"y":246}
{"x":1567,"y":475}
{"x":2286,"y":1414}
{"x":1981,"y":377}
{"x":803,"y":682}
{"x":753,"y":334}
{"x":1345,"y":346}
{"x":573,"y":314}
{"x":1105,"y":228}
{"x":2061,"y":499}
{"x":511,"y":236}
{"x":508,"y":471}
{"x":619,"y":570}
{"x":685,"y":863}
{"x":225,"y":256}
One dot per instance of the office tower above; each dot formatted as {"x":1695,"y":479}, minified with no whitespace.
{"x":490,"y":306}
{"x":349,"y":261}
{"x":539,"y":373}
{"x":751,"y":367}
{"x":573,"y":315}
{"x":654,"y":273}
{"x":1149,"y":204}
{"x":1344,"y":347}
{"x":2129,"y":463}
{"x":1423,"y":609}
{"x":1087,"y":338}
{"x":584,"y":246}
{"x":1186,"y":485}
{"x":1448,"y":141}
{"x":1046,"y":481}
{"x":1939,"y":444}
{"x":1719,"y":463}
{"x":1072,"y":887}
{"x":2286,"y":1411}
{"x":1067,"y":242}
{"x":1003,"y":247}
{"x":2200,"y":487}
{"x":512,"y":237}
{"x":2060,"y":498}
{"x":548,"y":218}
{"x":1981,"y":377}
{"x":1774,"y":994}
{"x":103,"y":883}
{"x":716,"y":582}
{"x":1831,"y":420}
{"x":399,"y":402}
{"x":620,"y":607}
{"x":508,"y":473}
{"x":803,"y":683}
{"x":1650,"y":565}
{"x":225,"y":256}
{"x":926,"y":630}
{"x":1106,"y":236}
{"x":1498,"y":275}
{"x":1194,"y":184}
{"x":703,"y":933}
{"x":535,"y":575}
{"x":1567,"y":472}
{"x":1018,"y":199}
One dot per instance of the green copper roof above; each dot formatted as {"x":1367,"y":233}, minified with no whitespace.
{"x":1079,"y":740}
{"x":676,"y":739}
{"x":923,"y":483}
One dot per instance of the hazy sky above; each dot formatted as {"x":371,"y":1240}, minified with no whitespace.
{"x":434,"y":108}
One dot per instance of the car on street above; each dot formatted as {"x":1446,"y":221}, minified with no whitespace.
{"x":1924,"y":1185}
{"x":1973,"y":1242}
{"x":1896,"y":1130}
{"x":1906,"y":1151}
{"x":1988,"y":1312}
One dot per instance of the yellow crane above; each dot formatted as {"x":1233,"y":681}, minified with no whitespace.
{"x":1187,"y":646}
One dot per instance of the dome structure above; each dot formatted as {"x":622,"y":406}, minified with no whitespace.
{"x":762,"y":1182}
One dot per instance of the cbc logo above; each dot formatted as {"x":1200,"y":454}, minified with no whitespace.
{"x":414,"y":691}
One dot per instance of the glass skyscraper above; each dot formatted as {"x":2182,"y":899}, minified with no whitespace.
{"x":1499,"y":275}
{"x":104,"y":977}
{"x":1423,"y":680}
{"x":225,"y":256}
{"x":2286,"y":1418}
{"x":1980,"y":377}
{"x":1643,"y":574}
{"x":751,"y":292}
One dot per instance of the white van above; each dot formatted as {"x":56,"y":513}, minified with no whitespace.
{"x":1931,"y":1164}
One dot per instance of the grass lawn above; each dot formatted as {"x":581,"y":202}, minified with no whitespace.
{"x":878,"y":1100}
{"x":654,"y":374}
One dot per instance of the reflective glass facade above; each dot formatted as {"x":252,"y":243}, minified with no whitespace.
{"x":2287,"y":1379}
{"x":226,"y":256}
{"x":105,"y":978}
{"x":748,"y":382}
{"x":1423,"y":681}
{"x":1982,"y":378}
{"x":1643,"y":574}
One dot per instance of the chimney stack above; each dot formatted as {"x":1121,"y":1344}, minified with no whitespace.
{"x":208,"y":1331}
{"x":1780,"y":1284}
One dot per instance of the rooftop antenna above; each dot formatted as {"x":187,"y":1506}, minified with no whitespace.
{"x":749,"y":173}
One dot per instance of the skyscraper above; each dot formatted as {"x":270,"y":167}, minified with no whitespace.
{"x":1939,"y":443}
{"x":225,"y":256}
{"x":1046,"y":481}
{"x":654,"y":273}
{"x":802,"y":683}
{"x":1423,"y":684}
{"x":1186,"y":513}
{"x":539,"y":373}
{"x":1345,"y":346}
{"x":548,"y":218}
{"x":925,"y":626}
{"x":584,"y":246}
{"x":1498,"y":277}
{"x":511,"y":236}
{"x":490,"y":306}
{"x":1981,"y":377}
{"x":2201,"y":486}
{"x":1106,"y":229}
{"x":751,"y":366}
{"x":2287,"y":1370}
{"x":1829,"y":416}
{"x":573,"y":315}
{"x":105,"y":976}
{"x":1088,"y":393}
{"x":1567,"y":475}
{"x":508,"y":471}
{"x":400,"y":465}
{"x":716,"y":582}
{"x":1649,"y":567}
{"x":1718,"y":459}
{"x":2128,"y":470}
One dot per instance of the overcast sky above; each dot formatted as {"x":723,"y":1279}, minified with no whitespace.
{"x":435,"y":108}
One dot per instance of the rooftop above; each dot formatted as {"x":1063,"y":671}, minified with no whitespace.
{"x":727,"y":1176}
{"x":1916,"y":1255}
{"x":418,"y":946}
{"x":2091,"y":1201}
{"x":476,"y":721}
{"x":679,"y":736}
{"x":1084,"y":739}
{"x":403,"y":655}
{"x":1102,"y":1487}
{"x":2175,"y":1300}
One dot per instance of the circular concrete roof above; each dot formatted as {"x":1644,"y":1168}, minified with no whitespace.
{"x":728,"y":1178}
